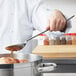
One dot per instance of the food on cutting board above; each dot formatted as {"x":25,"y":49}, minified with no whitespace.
{"x":9,"y":60}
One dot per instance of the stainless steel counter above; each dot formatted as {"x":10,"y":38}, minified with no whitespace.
{"x":65,"y":67}
{"x":59,"y":74}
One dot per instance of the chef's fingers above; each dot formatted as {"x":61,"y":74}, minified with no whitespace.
{"x":52,"y":25}
{"x":58,"y":23}
{"x":62,"y":24}
{"x":48,"y":25}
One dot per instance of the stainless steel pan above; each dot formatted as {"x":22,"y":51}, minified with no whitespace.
{"x":34,"y":66}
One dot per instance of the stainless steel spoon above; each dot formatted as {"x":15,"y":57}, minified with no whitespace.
{"x":17,"y":47}
{"x":20,"y":46}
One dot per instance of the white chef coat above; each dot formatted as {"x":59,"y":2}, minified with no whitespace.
{"x":17,"y":20}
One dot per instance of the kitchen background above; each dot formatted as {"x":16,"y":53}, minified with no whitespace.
{"x":68,"y":7}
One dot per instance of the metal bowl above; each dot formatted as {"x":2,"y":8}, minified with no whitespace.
{"x":34,"y":66}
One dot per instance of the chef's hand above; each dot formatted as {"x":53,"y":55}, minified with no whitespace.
{"x":57,"y":21}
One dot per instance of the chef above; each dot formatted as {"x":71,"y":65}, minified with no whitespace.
{"x":18,"y":18}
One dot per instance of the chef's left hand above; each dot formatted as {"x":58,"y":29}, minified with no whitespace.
{"x":57,"y":21}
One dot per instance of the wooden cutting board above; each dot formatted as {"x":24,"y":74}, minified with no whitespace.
{"x":56,"y":51}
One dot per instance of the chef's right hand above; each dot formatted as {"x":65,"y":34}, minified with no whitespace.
{"x":57,"y":21}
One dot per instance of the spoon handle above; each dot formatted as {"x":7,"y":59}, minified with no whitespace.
{"x":37,"y":35}
{"x":70,"y":17}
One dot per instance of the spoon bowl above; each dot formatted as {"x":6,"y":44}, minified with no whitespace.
{"x":15,"y":47}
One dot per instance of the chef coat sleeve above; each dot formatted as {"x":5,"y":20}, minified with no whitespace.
{"x":40,"y":13}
